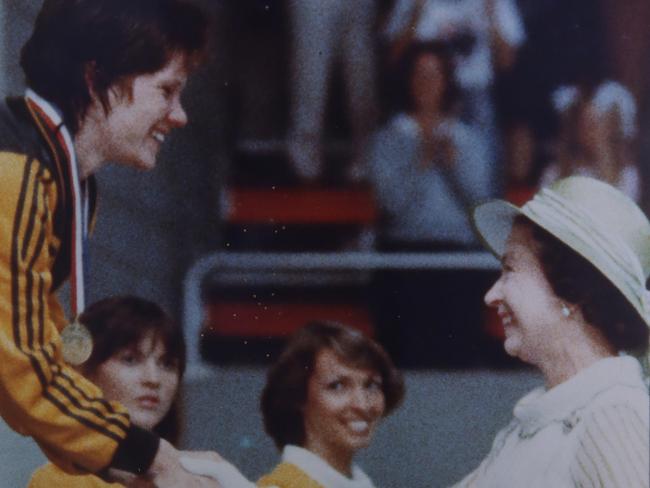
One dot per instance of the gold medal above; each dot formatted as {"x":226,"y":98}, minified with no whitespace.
{"x":77,"y":343}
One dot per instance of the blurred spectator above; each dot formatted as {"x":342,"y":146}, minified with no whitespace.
{"x":521,"y":154}
{"x":568,"y":103}
{"x":324,"y":31}
{"x":427,"y":166}
{"x":484,"y":35}
{"x":596,"y":136}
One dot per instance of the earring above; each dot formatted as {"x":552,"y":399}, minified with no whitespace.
{"x":566,"y":311}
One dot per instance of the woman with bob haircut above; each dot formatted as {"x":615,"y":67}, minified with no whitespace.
{"x":138,"y":359}
{"x":322,"y":401}
{"x":573,"y":301}
{"x":323,"y":398}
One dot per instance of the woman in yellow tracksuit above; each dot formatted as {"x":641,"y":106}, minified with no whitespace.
{"x":104,"y":82}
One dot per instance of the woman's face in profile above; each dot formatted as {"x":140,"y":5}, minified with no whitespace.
{"x":142,"y":378}
{"x":344,"y":405}
{"x":527,"y":306}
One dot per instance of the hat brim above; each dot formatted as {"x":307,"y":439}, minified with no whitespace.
{"x":492,"y":222}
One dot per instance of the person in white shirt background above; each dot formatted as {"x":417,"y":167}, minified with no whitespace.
{"x":427,"y":166}
{"x":596,"y":136}
{"x":324,"y":32}
{"x":486,"y":35}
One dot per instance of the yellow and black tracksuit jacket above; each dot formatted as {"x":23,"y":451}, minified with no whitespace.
{"x":51,"y":476}
{"x":40,"y":396}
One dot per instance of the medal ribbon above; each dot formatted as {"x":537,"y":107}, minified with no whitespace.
{"x":79,"y":193}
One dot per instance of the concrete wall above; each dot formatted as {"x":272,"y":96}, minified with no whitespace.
{"x":18,"y":455}
{"x":16,"y":20}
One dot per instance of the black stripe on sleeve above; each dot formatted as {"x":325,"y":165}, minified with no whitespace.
{"x":15,"y":285}
{"x":137,"y":451}
{"x":61,"y":374}
{"x":34,"y":206}
{"x":41,"y":320}
{"x":16,"y":252}
{"x":30,"y":285}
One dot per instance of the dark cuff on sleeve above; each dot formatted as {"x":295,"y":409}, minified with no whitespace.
{"x":137,"y":451}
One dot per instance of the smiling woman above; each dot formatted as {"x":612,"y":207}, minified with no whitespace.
{"x":103,"y":84}
{"x":323,"y":399}
{"x":573,"y":301}
{"x":138,"y":360}
{"x":140,"y":117}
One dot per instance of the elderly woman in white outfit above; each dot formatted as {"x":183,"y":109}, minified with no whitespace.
{"x":572,"y":297}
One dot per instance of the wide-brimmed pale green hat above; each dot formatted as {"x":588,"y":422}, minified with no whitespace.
{"x":591,"y":217}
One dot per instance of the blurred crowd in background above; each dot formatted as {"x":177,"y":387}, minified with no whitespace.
{"x":375,"y":125}
{"x":432,"y":104}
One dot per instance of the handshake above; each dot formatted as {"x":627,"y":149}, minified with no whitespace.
{"x":189,"y":469}
{"x":211,"y":466}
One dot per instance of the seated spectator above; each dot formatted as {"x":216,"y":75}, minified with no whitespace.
{"x":596,"y":137}
{"x":427,"y":167}
{"x":138,"y":359}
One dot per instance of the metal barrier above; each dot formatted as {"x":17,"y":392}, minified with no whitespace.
{"x":239,"y":267}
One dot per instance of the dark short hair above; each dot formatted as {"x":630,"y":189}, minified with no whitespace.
{"x":119,"y":39}
{"x":121,"y":322}
{"x":285,"y":393}
{"x":578,"y":282}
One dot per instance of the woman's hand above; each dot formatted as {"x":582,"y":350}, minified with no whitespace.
{"x":214,"y":466}
{"x":167,"y":472}
{"x":437,"y":151}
